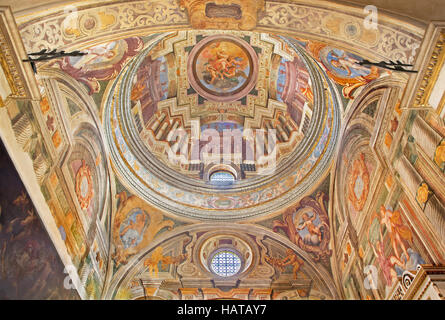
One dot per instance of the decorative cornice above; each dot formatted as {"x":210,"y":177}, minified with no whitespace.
{"x":411,"y":282}
{"x":431,"y":73}
{"x":10,"y":70}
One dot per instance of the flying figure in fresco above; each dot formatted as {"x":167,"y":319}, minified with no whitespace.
{"x":222,"y":66}
{"x":158,"y":257}
{"x":386,"y":263}
{"x":132,"y":233}
{"x":349,"y":64}
{"x":398,"y":232}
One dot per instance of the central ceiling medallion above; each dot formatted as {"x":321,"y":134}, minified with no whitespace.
{"x":222,"y":68}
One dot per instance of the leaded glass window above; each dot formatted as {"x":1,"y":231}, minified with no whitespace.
{"x":225,"y":263}
{"x":222,"y":178}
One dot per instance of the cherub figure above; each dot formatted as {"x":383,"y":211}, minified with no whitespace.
{"x":213,"y":73}
{"x":309,"y":224}
{"x":232,"y":67}
{"x":291,"y":259}
{"x":158,"y":256}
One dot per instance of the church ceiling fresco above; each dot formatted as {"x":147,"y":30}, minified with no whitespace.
{"x":181,"y":108}
{"x":135,"y":226}
{"x":382,"y":234}
{"x":303,"y":257}
{"x":102,"y":63}
{"x":332,"y":174}
{"x":265,"y":262}
{"x":83,"y":23}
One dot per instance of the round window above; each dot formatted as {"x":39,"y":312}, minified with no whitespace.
{"x":225,"y":263}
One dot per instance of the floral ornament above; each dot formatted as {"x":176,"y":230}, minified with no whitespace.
{"x":84,"y":186}
{"x":44,"y":105}
{"x":422,"y":194}
{"x":50,"y":123}
{"x":439,"y":155}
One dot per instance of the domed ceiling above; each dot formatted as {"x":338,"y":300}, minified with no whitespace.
{"x":192,"y":103}
{"x":192,"y":132}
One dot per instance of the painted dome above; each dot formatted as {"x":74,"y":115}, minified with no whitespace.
{"x":193,"y":103}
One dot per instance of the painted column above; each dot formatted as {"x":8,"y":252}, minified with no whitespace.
{"x":161,"y":131}
{"x":435,"y":212}
{"x":425,"y":137}
{"x":408,"y":175}
{"x":157,"y":122}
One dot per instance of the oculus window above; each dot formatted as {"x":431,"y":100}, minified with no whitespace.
{"x":225,"y":263}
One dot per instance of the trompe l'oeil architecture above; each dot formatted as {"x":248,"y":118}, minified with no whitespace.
{"x":240,"y":149}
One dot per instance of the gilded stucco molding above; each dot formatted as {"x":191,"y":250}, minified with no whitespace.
{"x":419,"y":284}
{"x":320,"y":275}
{"x":9,"y":65}
{"x":19,"y":76}
{"x":431,"y":73}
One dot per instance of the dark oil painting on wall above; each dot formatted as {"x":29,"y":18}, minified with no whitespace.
{"x":30,"y":267}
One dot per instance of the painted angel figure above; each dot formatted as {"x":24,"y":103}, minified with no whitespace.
{"x":99,"y":54}
{"x":308,"y":222}
{"x":232,"y":68}
{"x":386,"y":263}
{"x":132,"y":233}
{"x":214,"y":74}
{"x":347,"y":63}
{"x":222,"y":65}
{"x":398,"y":232}
{"x":291,"y":259}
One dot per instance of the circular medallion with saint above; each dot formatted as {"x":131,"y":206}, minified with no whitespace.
{"x":222,"y":68}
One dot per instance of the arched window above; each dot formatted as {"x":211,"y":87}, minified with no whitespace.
{"x":222,"y":178}
{"x":225,"y":263}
